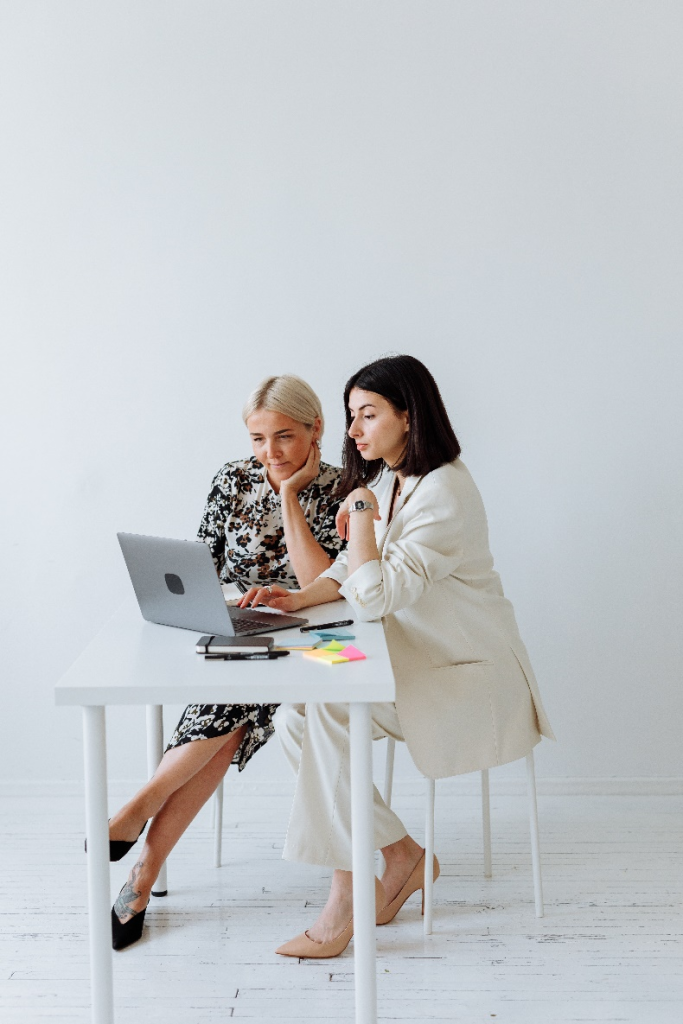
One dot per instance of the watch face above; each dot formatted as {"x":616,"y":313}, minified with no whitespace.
{"x":359,"y":506}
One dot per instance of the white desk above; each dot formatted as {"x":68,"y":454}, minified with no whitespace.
{"x":135,"y":662}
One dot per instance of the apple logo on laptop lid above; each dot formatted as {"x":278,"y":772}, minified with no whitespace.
{"x":174,"y":583}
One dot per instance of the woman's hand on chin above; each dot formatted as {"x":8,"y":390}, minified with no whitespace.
{"x":272,"y":597}
{"x":305,"y":475}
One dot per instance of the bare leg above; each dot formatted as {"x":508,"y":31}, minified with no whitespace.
{"x":171,"y":820}
{"x":400,"y":859}
{"x":176,"y":768}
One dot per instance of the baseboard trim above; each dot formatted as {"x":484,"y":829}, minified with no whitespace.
{"x":468,"y":785}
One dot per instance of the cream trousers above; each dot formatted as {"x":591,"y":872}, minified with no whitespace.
{"x":315,"y":739}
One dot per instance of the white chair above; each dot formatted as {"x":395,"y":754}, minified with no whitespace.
{"x":486,"y":817}
{"x":217,"y":822}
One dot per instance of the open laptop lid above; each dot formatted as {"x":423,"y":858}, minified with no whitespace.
{"x":176,"y":583}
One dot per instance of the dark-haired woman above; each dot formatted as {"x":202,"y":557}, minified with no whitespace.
{"x":418,"y":557}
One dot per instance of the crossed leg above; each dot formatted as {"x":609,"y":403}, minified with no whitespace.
{"x":185,"y":779}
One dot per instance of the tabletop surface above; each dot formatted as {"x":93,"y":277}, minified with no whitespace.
{"x":131,"y":661}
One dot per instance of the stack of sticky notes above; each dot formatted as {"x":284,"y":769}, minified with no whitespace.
{"x":334,"y":653}
{"x":329,"y":636}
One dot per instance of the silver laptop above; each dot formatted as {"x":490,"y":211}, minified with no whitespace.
{"x":176,"y":584}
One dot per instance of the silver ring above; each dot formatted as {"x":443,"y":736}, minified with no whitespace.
{"x":269,"y":589}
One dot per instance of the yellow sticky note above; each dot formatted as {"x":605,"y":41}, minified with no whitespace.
{"x":326,"y":657}
{"x":333,"y":645}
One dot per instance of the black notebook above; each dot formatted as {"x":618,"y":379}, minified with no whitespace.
{"x":234,"y":644}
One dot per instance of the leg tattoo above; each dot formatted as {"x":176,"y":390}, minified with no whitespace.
{"x":128,"y":895}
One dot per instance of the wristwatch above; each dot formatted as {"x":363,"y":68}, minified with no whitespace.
{"x":360,"y":506}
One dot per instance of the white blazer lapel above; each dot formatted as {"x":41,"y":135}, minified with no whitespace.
{"x":408,"y":488}
{"x":385,"y":507}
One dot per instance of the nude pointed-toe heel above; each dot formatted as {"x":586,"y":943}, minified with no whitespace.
{"x":416,"y":881}
{"x":306,"y":947}
{"x":303,"y":946}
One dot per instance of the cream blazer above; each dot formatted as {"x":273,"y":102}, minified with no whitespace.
{"x":466,"y":695}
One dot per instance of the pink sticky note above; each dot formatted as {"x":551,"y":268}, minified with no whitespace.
{"x":352,"y":653}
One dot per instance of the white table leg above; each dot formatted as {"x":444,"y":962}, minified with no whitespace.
{"x":97,"y":833}
{"x":363,"y":845}
{"x":155,"y":752}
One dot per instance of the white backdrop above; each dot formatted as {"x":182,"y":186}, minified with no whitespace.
{"x":197,"y":194}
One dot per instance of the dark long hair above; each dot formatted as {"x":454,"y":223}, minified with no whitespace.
{"x":409,"y":386}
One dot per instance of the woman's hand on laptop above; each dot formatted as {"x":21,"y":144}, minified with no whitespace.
{"x":272,"y":597}
{"x":320,"y":591}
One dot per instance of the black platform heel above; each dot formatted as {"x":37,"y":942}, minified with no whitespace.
{"x":123,"y":935}
{"x":118,"y":848}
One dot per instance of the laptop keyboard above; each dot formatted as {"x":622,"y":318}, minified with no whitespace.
{"x":247,"y":623}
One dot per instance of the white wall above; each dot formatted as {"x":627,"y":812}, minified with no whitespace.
{"x":195,"y":194}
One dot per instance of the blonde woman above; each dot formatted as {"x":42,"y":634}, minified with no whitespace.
{"x":268,"y":518}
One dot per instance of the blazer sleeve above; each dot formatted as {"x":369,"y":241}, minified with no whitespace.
{"x":339,"y":569}
{"x":428,"y":549}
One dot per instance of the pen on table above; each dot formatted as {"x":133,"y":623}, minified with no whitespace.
{"x":325,"y":625}
{"x":266,"y":656}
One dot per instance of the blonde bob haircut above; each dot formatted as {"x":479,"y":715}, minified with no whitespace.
{"x":288,"y":395}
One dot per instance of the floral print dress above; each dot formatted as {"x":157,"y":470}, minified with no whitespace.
{"x":242,"y":524}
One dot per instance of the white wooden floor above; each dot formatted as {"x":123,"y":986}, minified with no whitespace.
{"x":610,"y":947}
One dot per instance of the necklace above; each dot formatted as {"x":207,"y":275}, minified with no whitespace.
{"x":394,"y":497}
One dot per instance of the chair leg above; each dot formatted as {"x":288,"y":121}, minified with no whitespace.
{"x":218,"y":829}
{"x":388,"y":786}
{"x":389,"y":770}
{"x":428,"y":891}
{"x":533,"y":821}
{"x":486,"y":821}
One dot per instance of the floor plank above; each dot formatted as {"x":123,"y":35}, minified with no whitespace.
{"x":610,"y":948}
